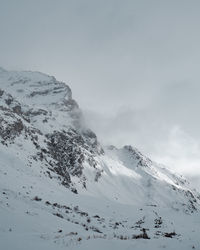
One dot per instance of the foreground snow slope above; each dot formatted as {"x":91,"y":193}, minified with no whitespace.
{"x":60,"y":188}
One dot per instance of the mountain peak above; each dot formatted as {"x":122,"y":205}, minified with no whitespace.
{"x":55,"y":172}
{"x":35,"y":88}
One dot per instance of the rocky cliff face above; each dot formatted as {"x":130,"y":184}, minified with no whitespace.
{"x":39,"y":109}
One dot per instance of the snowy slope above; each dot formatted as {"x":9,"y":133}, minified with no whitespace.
{"x":60,"y":188}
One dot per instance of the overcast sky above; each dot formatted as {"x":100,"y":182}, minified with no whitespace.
{"x":133,"y":66}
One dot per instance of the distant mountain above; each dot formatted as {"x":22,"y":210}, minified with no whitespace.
{"x":60,"y":188}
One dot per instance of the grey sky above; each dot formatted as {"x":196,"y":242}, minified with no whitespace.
{"x":133,"y":66}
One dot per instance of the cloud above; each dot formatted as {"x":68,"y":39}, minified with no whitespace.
{"x":166,"y":144}
{"x":180,"y":152}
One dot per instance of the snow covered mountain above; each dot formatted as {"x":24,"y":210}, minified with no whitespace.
{"x":60,"y":188}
